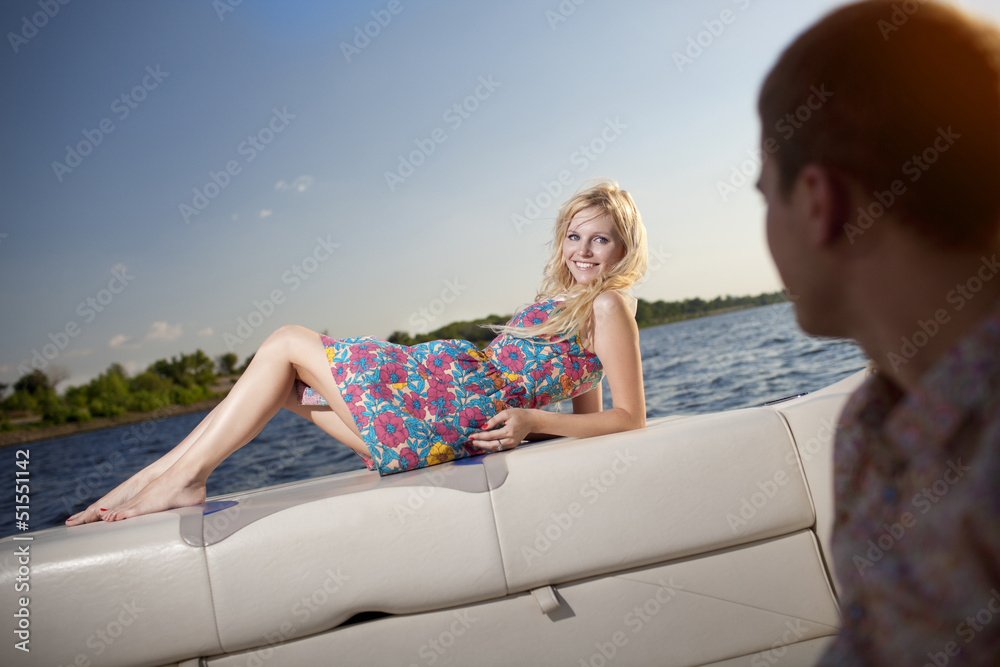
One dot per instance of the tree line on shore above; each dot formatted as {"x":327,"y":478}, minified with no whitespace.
{"x":181,"y":380}
{"x":647,"y":314}
{"x":187,"y":379}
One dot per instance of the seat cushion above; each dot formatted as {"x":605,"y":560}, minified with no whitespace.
{"x":577,"y":508}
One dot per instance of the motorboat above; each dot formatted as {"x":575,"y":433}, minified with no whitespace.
{"x":697,"y":540}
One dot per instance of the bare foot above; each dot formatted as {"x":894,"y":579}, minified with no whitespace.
{"x":120,"y":495}
{"x":128,"y":489}
{"x":170,"y":490}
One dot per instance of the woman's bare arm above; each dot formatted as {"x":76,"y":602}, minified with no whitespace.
{"x":616,"y":343}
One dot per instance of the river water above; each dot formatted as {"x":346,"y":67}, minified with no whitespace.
{"x":734,"y":360}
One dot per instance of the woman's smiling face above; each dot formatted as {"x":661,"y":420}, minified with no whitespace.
{"x":591,"y":246}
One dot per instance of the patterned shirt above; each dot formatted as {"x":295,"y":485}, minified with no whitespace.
{"x":916,"y":537}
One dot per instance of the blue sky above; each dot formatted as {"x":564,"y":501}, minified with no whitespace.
{"x":194,"y":174}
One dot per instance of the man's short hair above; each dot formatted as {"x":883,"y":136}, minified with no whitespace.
{"x":900,"y":95}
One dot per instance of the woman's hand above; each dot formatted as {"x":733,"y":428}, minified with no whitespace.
{"x":505,"y":430}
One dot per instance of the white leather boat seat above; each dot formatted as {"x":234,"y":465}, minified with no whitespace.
{"x":299,"y":560}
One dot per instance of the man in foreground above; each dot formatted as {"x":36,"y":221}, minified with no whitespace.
{"x":883,"y":218}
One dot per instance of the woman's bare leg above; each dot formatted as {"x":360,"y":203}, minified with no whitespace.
{"x":127,"y":489}
{"x":261,"y":391}
{"x":328,"y":420}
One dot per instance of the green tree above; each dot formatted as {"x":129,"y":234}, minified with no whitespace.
{"x":107,"y":394}
{"x":401,"y":338}
{"x":20,"y":401}
{"x":227,"y":363}
{"x":33,"y":383}
{"x":187,"y":370}
{"x":33,"y":394}
{"x":151,"y":382}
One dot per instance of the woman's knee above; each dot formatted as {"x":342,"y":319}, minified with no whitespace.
{"x":293,"y":332}
{"x":289,"y":336}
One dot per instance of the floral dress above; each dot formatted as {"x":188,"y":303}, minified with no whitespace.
{"x":416,"y":406}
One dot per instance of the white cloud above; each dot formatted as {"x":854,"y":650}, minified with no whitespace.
{"x":119,"y":340}
{"x":300,"y":184}
{"x":163,"y":331}
{"x":266,"y":212}
{"x":207,"y":331}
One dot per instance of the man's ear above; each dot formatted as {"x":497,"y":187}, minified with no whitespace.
{"x":826,"y":201}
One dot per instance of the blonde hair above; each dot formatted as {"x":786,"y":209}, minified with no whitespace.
{"x":573,"y":316}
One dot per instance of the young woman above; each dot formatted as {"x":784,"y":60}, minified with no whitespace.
{"x":402,"y":407}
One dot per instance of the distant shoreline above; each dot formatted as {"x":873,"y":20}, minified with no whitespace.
{"x":33,"y":434}
{"x":708,"y":313}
